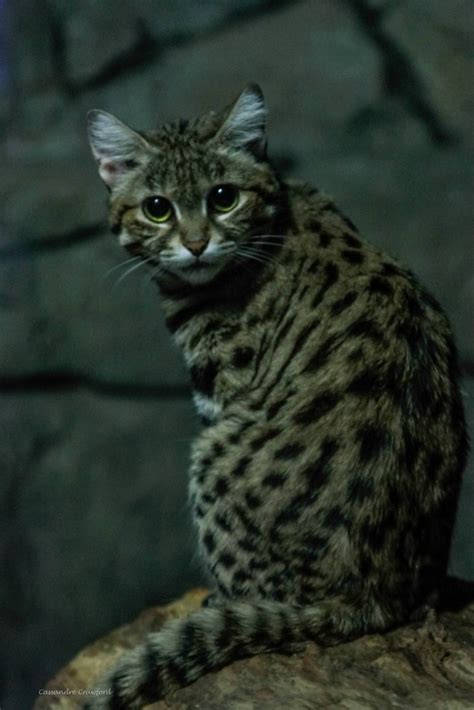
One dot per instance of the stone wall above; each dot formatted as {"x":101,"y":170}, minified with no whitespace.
{"x":371,"y":100}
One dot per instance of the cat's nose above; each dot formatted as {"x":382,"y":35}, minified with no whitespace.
{"x":196,"y":248}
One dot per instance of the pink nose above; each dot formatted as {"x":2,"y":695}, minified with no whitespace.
{"x":196,"y":248}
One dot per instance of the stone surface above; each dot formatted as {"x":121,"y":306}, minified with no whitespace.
{"x":42,"y":202}
{"x":137,"y":29}
{"x":462,"y":549}
{"x":437,"y":36}
{"x":94,"y":523}
{"x":77,"y":311}
{"x":414,"y":203}
{"x":95,"y":386}
{"x":421,"y":665}
{"x":331,"y":122}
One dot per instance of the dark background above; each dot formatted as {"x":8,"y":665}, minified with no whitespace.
{"x":370,"y":100}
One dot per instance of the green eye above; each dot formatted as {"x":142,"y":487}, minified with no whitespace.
{"x":223,"y":198}
{"x":157,"y":208}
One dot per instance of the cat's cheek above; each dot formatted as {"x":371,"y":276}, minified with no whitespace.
{"x":125,"y":240}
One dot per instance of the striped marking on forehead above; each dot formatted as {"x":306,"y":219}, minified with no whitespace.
{"x":184,"y":178}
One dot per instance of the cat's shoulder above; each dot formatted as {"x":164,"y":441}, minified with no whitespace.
{"x":313,"y":210}
{"x":324,"y":231}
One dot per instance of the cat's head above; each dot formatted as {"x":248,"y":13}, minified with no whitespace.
{"x":192,"y":197}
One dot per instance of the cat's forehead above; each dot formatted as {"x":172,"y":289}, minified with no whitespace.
{"x":184,"y":159}
{"x":202,"y":128}
{"x":183,"y":169}
{"x":185,"y":137}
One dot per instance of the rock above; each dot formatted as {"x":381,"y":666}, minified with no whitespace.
{"x":140,"y":30}
{"x":462,"y":548}
{"x":435,"y":36}
{"x":414,"y":203}
{"x":330,"y":122}
{"x":93,"y":388}
{"x":423,"y":664}
{"x":95,"y":524}
{"x":75,"y":310}
{"x":44,"y":202}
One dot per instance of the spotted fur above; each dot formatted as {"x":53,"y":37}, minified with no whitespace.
{"x":325,"y":480}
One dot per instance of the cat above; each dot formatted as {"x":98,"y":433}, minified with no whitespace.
{"x":324,"y":482}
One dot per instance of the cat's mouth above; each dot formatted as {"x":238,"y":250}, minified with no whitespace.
{"x":198,"y":265}
{"x":195,"y":271}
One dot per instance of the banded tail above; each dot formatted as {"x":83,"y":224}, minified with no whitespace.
{"x":186,"y":649}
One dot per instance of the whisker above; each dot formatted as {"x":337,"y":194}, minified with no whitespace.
{"x":256,"y":250}
{"x":158,"y":268}
{"x":130,"y":260}
{"x":147,"y":281}
{"x":253,"y":256}
{"x":261,"y":257}
{"x":269,"y":236}
{"x":265,"y":242}
{"x":259,"y":251}
{"x":271,"y":255}
{"x":273,"y":240}
{"x":133,"y":268}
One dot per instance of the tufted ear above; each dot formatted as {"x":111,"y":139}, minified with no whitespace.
{"x":244,"y":125}
{"x":117,"y":148}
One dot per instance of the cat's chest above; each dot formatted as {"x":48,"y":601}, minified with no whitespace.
{"x":208,"y":407}
{"x":222,"y":365}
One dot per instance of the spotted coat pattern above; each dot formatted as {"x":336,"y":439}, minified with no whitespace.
{"x":324,"y":482}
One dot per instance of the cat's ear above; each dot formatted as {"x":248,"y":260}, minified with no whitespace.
{"x":244,"y":124}
{"x":115,"y":146}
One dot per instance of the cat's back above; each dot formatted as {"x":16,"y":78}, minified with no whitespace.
{"x":350,"y":282}
{"x":360,"y":356}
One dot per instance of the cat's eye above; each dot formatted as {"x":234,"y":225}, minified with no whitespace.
{"x":157,"y":208}
{"x":223,"y":198}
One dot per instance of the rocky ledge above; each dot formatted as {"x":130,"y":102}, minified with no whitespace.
{"x":424,"y":664}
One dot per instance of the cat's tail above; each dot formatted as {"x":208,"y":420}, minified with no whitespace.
{"x":186,"y":649}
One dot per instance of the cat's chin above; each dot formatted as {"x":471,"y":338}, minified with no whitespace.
{"x":200,"y":273}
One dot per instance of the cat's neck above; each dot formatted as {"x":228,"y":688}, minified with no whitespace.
{"x":241,"y":277}
{"x":228,"y":295}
